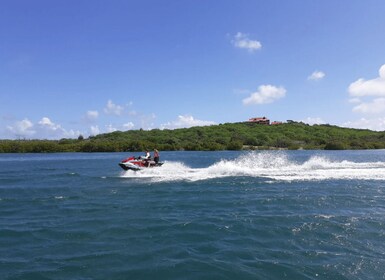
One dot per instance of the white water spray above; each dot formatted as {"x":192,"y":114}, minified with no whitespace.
{"x":269,"y":166}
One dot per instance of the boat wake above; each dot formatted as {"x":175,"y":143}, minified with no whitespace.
{"x":269,"y":166}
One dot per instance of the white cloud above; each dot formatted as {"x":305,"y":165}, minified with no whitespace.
{"x":46,"y":123}
{"x":94,"y":130}
{"x":311,"y":120}
{"x":146,"y":121}
{"x":265,"y":94}
{"x":363,"y":123}
{"x":113,"y":109}
{"x":374,"y":87}
{"x":23,"y":128}
{"x":373,"y":91}
{"x":242,"y":41}
{"x":110,"y":128}
{"x":44,"y":129}
{"x":184,"y":122}
{"x":50,"y":130}
{"x":355,"y":100}
{"x":316,"y":76}
{"x":128,"y":125}
{"x":68,"y":134}
{"x":92,"y":115}
{"x":376,"y":106}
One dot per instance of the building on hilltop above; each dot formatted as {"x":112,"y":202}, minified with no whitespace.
{"x":263,"y":120}
{"x":276,"y":123}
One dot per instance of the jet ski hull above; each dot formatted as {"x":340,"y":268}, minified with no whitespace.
{"x":138,"y":164}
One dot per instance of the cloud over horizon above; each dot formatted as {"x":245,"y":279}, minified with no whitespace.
{"x":377,"y":124}
{"x":44,"y":129}
{"x":368,"y":90}
{"x":185,"y":121}
{"x":23,"y":128}
{"x":373,"y":87}
{"x":312,"y":120}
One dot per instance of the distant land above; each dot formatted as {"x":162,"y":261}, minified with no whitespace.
{"x":228,"y":136}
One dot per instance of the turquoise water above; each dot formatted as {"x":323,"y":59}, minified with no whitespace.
{"x":203,"y":215}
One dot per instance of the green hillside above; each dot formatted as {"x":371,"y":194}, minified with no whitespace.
{"x":229,"y":136}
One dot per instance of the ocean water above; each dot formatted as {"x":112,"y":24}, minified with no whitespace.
{"x":202,"y":215}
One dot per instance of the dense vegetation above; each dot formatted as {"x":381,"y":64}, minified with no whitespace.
{"x":230,"y":136}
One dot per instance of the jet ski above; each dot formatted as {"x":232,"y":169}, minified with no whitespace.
{"x":139,"y":163}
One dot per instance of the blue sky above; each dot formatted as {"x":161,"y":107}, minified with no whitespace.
{"x":89,"y":67}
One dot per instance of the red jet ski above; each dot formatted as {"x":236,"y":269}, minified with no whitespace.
{"x":139,"y":163}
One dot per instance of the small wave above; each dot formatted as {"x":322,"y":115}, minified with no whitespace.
{"x":269,"y":166}
{"x":326,"y":217}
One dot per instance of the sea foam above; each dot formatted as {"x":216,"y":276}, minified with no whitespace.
{"x":266,"y":165}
